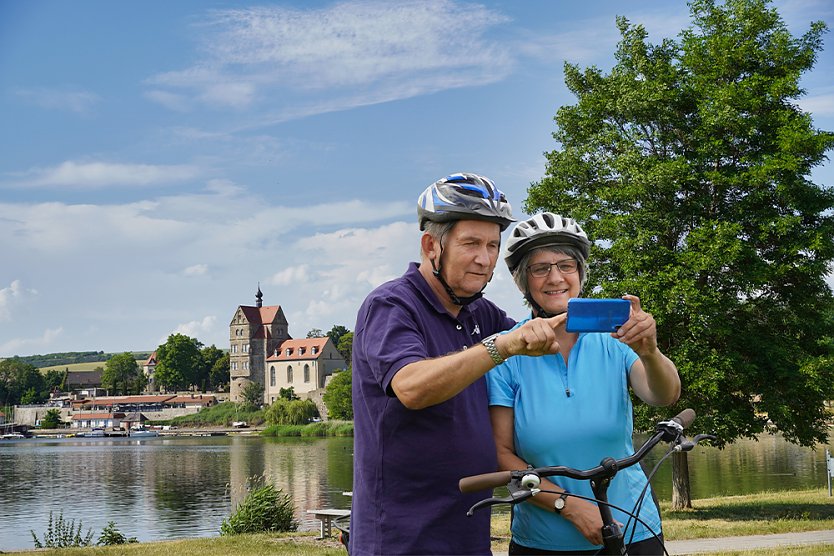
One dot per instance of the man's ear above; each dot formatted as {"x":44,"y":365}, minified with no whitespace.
{"x":430,"y":247}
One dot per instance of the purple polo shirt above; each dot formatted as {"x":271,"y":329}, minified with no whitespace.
{"x":407,"y":463}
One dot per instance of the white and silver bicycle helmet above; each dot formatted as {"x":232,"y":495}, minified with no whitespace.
{"x":541,"y":230}
{"x":464,"y":196}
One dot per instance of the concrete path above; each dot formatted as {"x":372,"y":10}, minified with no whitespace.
{"x":706,"y":546}
{"x":728,"y":544}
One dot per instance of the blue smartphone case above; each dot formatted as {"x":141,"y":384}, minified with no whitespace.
{"x":596,"y":315}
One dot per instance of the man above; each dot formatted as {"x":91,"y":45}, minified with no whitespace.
{"x":421,"y":346}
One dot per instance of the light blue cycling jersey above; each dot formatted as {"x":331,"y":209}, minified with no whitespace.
{"x":573,"y":415}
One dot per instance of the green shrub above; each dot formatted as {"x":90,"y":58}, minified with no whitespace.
{"x":282,"y":430}
{"x":62,"y":534}
{"x":265,"y":509}
{"x":315,"y":429}
{"x":110,"y":536}
{"x":295,"y":412}
{"x":338,"y":397}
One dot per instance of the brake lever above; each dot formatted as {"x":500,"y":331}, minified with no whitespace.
{"x":687,"y":445}
{"x":515,"y":497}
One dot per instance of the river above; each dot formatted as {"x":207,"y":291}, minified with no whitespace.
{"x":175,"y":487}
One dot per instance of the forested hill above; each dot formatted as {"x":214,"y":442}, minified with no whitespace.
{"x":72,"y":357}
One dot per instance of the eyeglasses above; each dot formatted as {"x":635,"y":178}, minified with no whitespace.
{"x":540,"y":270}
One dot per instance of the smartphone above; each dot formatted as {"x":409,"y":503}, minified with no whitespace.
{"x":596,"y":315}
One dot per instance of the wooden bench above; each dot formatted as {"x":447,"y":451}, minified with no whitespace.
{"x":326,"y":517}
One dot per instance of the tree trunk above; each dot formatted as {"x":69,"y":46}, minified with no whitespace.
{"x":681,"y":495}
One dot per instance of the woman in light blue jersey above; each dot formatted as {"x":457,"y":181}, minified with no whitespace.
{"x":573,"y":408}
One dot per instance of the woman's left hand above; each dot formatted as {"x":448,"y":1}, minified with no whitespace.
{"x":640,"y":330}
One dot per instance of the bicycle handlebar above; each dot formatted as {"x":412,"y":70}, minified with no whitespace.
{"x":666,"y":430}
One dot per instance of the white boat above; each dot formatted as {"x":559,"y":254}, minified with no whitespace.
{"x":12,"y":436}
{"x":142,"y":432}
{"x":96,"y":431}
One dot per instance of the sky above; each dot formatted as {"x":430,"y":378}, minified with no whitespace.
{"x":159,"y":161}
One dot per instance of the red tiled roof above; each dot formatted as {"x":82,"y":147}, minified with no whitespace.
{"x":199,"y":398}
{"x":294,"y":345}
{"x":151,"y":360}
{"x":87,"y":416}
{"x":260,"y":315}
{"x":112,"y":400}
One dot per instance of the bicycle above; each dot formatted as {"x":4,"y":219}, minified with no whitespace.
{"x":524,"y":484}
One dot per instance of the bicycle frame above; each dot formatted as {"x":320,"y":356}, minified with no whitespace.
{"x":524,"y":484}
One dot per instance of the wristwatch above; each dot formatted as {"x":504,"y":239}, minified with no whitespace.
{"x":489,"y":344}
{"x":559,"y":503}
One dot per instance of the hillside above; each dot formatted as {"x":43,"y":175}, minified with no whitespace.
{"x":81,"y":360}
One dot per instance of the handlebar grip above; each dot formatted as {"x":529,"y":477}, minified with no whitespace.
{"x":484,"y":481}
{"x":685,"y":417}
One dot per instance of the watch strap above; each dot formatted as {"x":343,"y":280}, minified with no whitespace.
{"x":489,"y":344}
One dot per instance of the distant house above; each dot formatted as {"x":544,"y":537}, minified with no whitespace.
{"x":263,"y":352}
{"x":83,"y":380}
{"x":149,"y":368}
{"x":302,"y":365}
{"x":96,"y":420}
{"x":254,"y":334}
{"x":146,"y":403}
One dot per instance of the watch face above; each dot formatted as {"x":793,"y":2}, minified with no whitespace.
{"x":559,"y":504}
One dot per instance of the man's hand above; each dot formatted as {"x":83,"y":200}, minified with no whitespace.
{"x":535,"y":337}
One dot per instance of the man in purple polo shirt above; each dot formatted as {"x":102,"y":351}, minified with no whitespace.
{"x":421,"y":420}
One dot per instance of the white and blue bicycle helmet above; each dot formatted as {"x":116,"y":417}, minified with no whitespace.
{"x":464,"y":196}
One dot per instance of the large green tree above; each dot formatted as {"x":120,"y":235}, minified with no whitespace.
{"x":211,"y":356}
{"x":337,"y":396}
{"x":122,"y":375}
{"x":345,"y":346}
{"x":219,"y":374}
{"x":21,"y":383}
{"x":689,"y":166}
{"x":179,"y":362}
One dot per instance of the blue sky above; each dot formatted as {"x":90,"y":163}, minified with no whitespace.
{"x":160,"y":159}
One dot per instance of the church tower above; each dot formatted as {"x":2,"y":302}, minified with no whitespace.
{"x":255,"y":333}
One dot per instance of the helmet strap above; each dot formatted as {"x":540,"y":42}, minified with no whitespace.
{"x":456,"y":299}
{"x":538,"y":311}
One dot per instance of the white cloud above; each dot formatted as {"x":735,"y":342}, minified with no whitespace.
{"x":80,"y":102}
{"x":195,"y":328}
{"x":345,"y":55}
{"x":289,"y":276}
{"x":819,"y":104}
{"x":11,"y":295}
{"x":40,"y":344}
{"x":196,"y":270}
{"x":172,"y":101}
{"x":93,"y":175}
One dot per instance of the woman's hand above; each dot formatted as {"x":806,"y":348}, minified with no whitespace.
{"x":640,"y":330}
{"x":584,"y":515}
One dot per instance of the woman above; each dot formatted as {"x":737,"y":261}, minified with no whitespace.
{"x":573,"y":407}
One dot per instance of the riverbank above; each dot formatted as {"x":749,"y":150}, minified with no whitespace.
{"x":778,"y":519}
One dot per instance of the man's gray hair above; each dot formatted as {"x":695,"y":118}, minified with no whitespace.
{"x":520,"y":274}
{"x":438,"y":230}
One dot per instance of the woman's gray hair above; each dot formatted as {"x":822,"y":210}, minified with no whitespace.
{"x":520,"y":274}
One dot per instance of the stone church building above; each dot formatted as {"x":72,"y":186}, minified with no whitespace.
{"x":262,"y":351}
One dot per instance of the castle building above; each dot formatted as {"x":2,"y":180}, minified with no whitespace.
{"x":262,"y":351}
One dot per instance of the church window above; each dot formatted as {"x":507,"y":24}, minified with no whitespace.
{"x":289,"y":374}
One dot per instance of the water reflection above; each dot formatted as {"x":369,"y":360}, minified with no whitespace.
{"x":745,"y":467}
{"x":166,"y":488}
{"x":161,"y":488}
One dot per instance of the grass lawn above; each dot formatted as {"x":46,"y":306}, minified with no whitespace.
{"x":769,"y":512}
